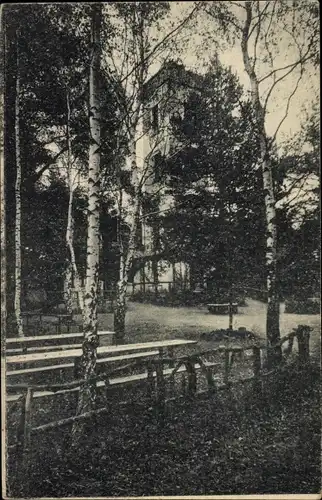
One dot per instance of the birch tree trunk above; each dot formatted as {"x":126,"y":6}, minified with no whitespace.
{"x":122,"y":284}
{"x":272,"y":319}
{"x":3,"y":261}
{"x":126,"y":259}
{"x":120,"y":303}
{"x":18,"y":202}
{"x":70,"y":219}
{"x":68,"y":278}
{"x":87,"y":392}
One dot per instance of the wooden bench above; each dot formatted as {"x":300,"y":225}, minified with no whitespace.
{"x":31,"y":367}
{"x":222,"y":308}
{"x":59,"y":320}
{"x":17,"y":345}
{"x":113,"y":381}
{"x":66,"y":370}
{"x":37,"y":357}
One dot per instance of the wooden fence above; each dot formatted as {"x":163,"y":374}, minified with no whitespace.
{"x":155,"y":385}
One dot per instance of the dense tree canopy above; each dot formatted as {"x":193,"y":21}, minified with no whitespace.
{"x":217,"y":220}
{"x":53,"y":45}
{"x":216,"y":224}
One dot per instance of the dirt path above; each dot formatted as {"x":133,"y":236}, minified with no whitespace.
{"x":149,"y":321}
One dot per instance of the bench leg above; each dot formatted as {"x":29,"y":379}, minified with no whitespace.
{"x":171,"y":365}
{"x":160,"y":386}
{"x":150,"y":384}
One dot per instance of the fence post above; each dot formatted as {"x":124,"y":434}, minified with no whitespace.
{"x":150,"y":386}
{"x":227,"y":366}
{"x":303,"y":339}
{"x":160,"y":390}
{"x":192,"y":377}
{"x":23,"y":442}
{"x":288,"y":350}
{"x":257,"y":367}
{"x":210,"y":380}
{"x":171,"y":365}
{"x":183,"y":384}
{"x":28,"y":412}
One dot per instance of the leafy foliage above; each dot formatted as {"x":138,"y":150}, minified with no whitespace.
{"x":217,"y":219}
{"x":299,"y":212}
{"x":53,"y":43}
{"x":219,"y":444}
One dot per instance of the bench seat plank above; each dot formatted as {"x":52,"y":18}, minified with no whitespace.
{"x":222,"y":305}
{"x":61,"y":336}
{"x":27,"y":371}
{"x":112,"y":381}
{"x":44,"y":348}
{"x":73,"y":353}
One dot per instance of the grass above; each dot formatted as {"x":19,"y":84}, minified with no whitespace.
{"x":221,"y":444}
{"x":145,"y":322}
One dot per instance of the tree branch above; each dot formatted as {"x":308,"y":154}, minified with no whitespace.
{"x":36,"y":176}
{"x":287,"y":109}
{"x":277,"y":81}
{"x":166,"y":38}
{"x":292,"y":65}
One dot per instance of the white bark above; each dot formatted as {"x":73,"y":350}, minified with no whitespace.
{"x":68,"y":288}
{"x":126,"y":259}
{"x":70,"y":219}
{"x":18,"y":204}
{"x":90,"y":324}
{"x":272,"y":320}
{"x":139,"y":50}
{"x":3,"y":263}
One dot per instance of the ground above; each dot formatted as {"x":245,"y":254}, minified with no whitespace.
{"x":222,"y":444}
{"x":228,"y":442}
{"x":146,"y":322}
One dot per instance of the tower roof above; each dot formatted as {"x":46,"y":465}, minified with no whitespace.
{"x":174,"y":72}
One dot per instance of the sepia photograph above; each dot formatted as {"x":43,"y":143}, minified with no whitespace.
{"x":160,"y":250}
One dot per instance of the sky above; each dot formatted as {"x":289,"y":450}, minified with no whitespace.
{"x":200,"y":44}
{"x":201,"y":41}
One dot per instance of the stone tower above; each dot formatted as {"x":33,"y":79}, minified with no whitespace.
{"x":165,"y":95}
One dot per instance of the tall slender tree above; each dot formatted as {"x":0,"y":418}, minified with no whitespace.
{"x":3,"y":255}
{"x":18,"y":197}
{"x":90,"y":321}
{"x":272,"y":319}
{"x":72,"y":270}
{"x":139,"y":39}
{"x":261,"y":29}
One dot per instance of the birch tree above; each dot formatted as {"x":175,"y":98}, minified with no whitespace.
{"x":90,"y":324}
{"x":72,"y":271}
{"x":138,"y":41}
{"x":278,"y":41}
{"x":3,"y":256}
{"x":18,"y":199}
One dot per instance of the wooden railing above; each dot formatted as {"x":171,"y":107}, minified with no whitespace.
{"x":156,"y":382}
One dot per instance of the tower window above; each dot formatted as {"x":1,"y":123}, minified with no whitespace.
{"x":155,"y":118}
{"x":157,"y":167}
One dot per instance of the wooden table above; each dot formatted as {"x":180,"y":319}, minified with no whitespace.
{"x":41,"y":315}
{"x":22,"y":344}
{"x":131,"y":352}
{"x":30,"y":314}
{"x":163,"y":345}
{"x":222,"y":308}
{"x":61,"y":317}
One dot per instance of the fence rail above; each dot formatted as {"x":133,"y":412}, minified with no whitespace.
{"x":156,"y":382}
